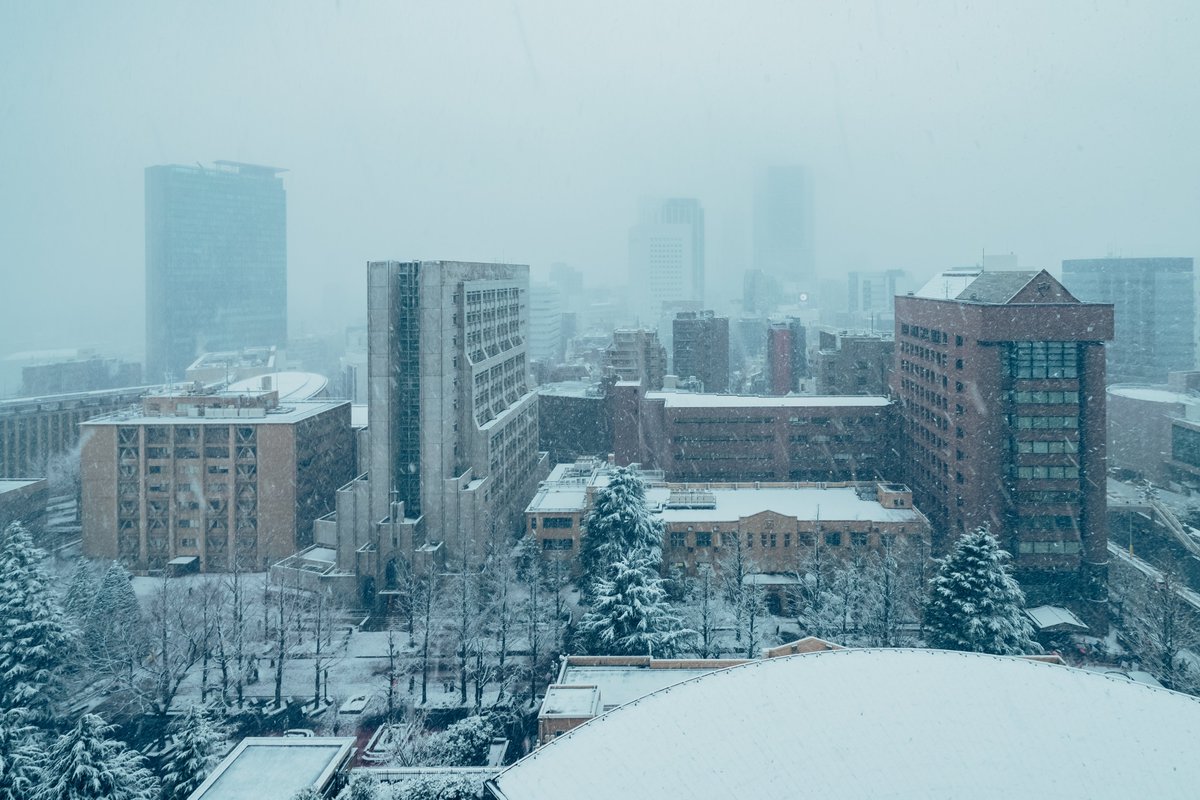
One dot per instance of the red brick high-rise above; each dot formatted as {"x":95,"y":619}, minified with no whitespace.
{"x":1000,"y":379}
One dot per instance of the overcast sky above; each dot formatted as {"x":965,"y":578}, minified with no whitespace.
{"x":527,"y":131}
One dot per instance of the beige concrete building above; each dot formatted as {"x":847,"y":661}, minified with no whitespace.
{"x":453,"y":434}
{"x":221,"y":478}
{"x":776,"y":524}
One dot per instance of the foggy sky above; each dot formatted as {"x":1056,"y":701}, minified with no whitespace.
{"x":528,"y":131}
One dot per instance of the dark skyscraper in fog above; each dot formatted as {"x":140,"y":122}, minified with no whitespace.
{"x":783,"y":225}
{"x":216,"y":262}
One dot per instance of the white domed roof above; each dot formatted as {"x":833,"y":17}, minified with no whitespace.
{"x":878,"y":723}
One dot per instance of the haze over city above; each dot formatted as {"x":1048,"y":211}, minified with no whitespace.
{"x":525,"y":399}
{"x":527,"y":132}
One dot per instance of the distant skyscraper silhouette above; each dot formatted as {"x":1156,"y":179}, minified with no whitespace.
{"x":1155,"y":310}
{"x":666,"y":255}
{"x":216,"y":262}
{"x":783,"y":224}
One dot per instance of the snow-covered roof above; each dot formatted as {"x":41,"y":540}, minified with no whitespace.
{"x":693,"y":400}
{"x":14,"y":486}
{"x":274,"y":767}
{"x":733,"y":504}
{"x":1153,"y":394}
{"x":804,"y":503}
{"x":620,"y":685}
{"x":285,"y":414}
{"x":571,"y":701}
{"x":878,"y":723}
{"x":290,"y":385}
{"x":1055,"y":618}
{"x":591,"y":389}
{"x":947,"y":285}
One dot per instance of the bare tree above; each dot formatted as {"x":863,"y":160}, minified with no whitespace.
{"x":1161,"y":624}
{"x":428,"y":592}
{"x":707,"y":612}
{"x":319,"y":611}
{"x":175,"y":646}
{"x":393,"y":673}
{"x":743,"y":591}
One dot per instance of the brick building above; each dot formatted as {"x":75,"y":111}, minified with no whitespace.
{"x":853,"y":363}
{"x":701,"y":437}
{"x":701,"y":349}
{"x":574,"y":419}
{"x":1000,"y":378}
{"x":213,"y":477}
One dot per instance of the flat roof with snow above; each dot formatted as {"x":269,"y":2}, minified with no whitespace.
{"x":693,"y":400}
{"x":286,"y":414}
{"x":571,"y":701}
{"x":264,"y":768}
{"x":878,"y":723}
{"x":733,"y":504}
{"x":620,"y":685}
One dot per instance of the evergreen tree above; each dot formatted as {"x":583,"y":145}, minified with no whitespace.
{"x":80,"y":591}
{"x":19,"y":757}
{"x":84,"y":764}
{"x":630,"y":615}
{"x":618,"y":525}
{"x":113,"y":631}
{"x":198,"y":747}
{"x":307,"y":793}
{"x":34,"y":640}
{"x":975,"y":604}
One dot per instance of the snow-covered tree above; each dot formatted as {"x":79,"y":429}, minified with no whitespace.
{"x":974,"y":603}
{"x":81,"y":590}
{"x":364,"y":786}
{"x":199,"y":745}
{"x":307,"y":793}
{"x":84,"y":764}
{"x":35,"y":641}
{"x":113,"y":635}
{"x":20,"y":757}
{"x":619,"y":525}
{"x":463,"y":744}
{"x":440,"y":787}
{"x":630,"y":614}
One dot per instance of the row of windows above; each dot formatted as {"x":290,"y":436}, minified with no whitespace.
{"x":1045,"y":473}
{"x":1061,"y":446}
{"x":679,"y":539}
{"x":557,"y":544}
{"x":1052,"y":398}
{"x":1044,"y":360}
{"x":1049,"y":548}
{"x":1044,"y":423}
{"x":931,"y":334}
{"x":926,"y":353}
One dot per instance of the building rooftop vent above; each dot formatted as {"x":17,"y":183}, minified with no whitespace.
{"x":691,"y":498}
